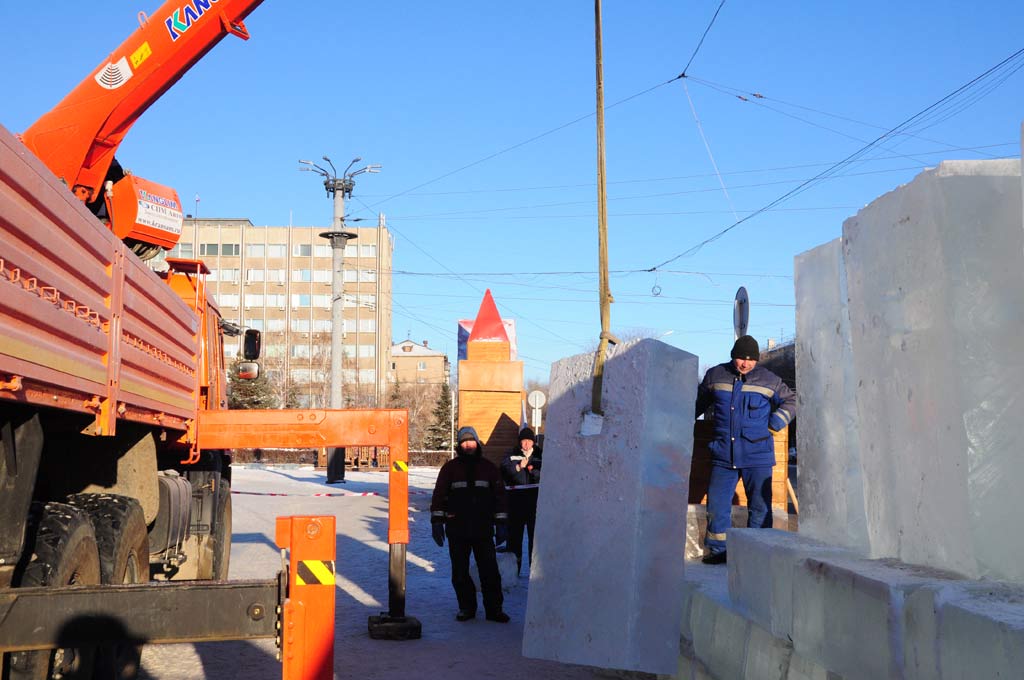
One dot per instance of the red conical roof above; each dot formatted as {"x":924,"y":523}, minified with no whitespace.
{"x":488,"y":326}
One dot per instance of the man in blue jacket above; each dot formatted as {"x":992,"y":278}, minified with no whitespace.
{"x":749,"y":402}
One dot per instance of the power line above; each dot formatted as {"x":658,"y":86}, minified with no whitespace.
{"x":675,"y":178}
{"x":701,"y":42}
{"x":905,"y":125}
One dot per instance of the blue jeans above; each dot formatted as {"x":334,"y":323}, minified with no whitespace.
{"x":757,"y":482}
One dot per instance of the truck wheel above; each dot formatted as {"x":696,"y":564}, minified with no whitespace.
{"x":123,"y":543}
{"x":222,"y":531}
{"x":63,"y":548}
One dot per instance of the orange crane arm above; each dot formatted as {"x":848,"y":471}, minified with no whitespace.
{"x":77,"y":139}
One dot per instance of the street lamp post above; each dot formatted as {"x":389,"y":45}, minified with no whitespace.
{"x":338,"y":188}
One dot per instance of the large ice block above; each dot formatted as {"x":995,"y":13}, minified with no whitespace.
{"x":762,"y":565}
{"x":848,"y":613}
{"x":606,"y":586}
{"x":964,"y":630}
{"x":829,"y":468}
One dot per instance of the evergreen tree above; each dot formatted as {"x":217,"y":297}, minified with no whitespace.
{"x":438,"y":437}
{"x":245,"y":393}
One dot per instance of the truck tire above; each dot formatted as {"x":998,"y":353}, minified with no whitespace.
{"x":222,"y":531}
{"x":63,"y":548}
{"x":123,"y":544}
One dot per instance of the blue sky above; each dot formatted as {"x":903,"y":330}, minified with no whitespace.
{"x":427,"y":89}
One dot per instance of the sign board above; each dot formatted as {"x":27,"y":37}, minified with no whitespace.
{"x":740,"y":313}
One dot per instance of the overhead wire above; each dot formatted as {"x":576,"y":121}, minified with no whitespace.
{"x":905,"y":125}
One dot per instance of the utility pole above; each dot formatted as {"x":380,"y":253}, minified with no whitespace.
{"x":337,"y":188}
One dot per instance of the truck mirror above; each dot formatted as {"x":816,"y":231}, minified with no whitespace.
{"x":251,"y":345}
{"x":248,"y":370}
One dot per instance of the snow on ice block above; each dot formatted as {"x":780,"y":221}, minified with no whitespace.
{"x":965,"y":630}
{"x":762,"y":564}
{"x":848,"y":613}
{"x":606,"y":587}
{"x":935,"y":275}
{"x":830,"y":477}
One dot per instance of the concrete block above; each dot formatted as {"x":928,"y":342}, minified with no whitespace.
{"x":762,"y":564}
{"x":829,"y":470}
{"x":965,"y":630}
{"x":720,"y":634}
{"x":606,"y":587}
{"x":935,"y":289}
{"x":767,"y":656}
{"x":848,"y":614}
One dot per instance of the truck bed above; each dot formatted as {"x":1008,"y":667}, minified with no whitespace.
{"x":72,"y":336}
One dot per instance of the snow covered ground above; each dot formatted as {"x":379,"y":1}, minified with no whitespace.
{"x":448,"y":649}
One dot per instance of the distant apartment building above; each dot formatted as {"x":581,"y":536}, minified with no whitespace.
{"x":413,"y":363}
{"x":278,"y":280}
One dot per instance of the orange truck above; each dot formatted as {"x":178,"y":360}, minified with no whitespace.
{"x":115,"y":438}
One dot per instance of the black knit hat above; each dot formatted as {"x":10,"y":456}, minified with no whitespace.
{"x":527,"y":433}
{"x":746,"y":348}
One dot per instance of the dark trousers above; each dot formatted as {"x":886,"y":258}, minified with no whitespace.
{"x":757,"y":483}
{"x":516,"y":525}
{"x":487,"y":564}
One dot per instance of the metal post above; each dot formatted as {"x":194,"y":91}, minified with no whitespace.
{"x":339,"y":238}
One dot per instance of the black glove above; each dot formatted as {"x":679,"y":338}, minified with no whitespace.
{"x":500,"y":534}
{"x":437,"y":530}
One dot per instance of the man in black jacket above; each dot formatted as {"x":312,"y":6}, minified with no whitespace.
{"x":469,"y":505}
{"x":521,"y":472}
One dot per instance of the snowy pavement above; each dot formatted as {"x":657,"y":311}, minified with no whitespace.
{"x":448,"y":649}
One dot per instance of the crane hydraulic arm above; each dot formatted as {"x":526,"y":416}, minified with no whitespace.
{"x":78,"y":138}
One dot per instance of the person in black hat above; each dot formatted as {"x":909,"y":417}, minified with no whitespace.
{"x":521,"y":471}
{"x":749,"y":403}
{"x":469,"y":506}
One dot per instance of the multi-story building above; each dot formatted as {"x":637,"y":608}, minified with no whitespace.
{"x":278,"y":280}
{"x":413,"y":363}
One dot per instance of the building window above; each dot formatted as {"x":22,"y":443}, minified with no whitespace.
{"x":351,"y":250}
{"x":367,"y":325}
{"x":230,"y":249}
{"x":227,"y":300}
{"x":393,"y":367}
{"x":301,"y":375}
{"x":275,"y":325}
{"x":421,"y":366}
{"x":300,"y":275}
{"x":255,"y":324}
{"x":367,"y":351}
{"x":253,"y":275}
{"x":302,"y":250}
{"x":322,"y":301}
{"x":368,"y":275}
{"x":300,"y":325}
{"x":300,"y":300}
{"x":349,"y":275}
{"x":275,"y":275}
{"x":276,"y":300}
{"x":367,"y":375}
{"x":274,"y":351}
{"x":230,"y":275}
{"x":207,"y":249}
{"x":322,"y":325}
{"x":322,"y":250}
{"x":322,"y":275}
{"x":369,"y":250}
{"x":300,"y":351}
{"x":253,"y":300}
{"x":255,"y":250}
{"x":184,"y":250}
{"x":277,"y":250}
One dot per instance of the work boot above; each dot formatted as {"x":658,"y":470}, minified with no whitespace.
{"x":715,"y":558}
{"x":499,"y":617}
{"x":464,"y":615}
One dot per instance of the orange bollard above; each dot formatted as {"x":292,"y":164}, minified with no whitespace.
{"x":307,"y":637}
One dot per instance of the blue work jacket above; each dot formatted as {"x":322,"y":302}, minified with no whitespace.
{"x":746,"y":408}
